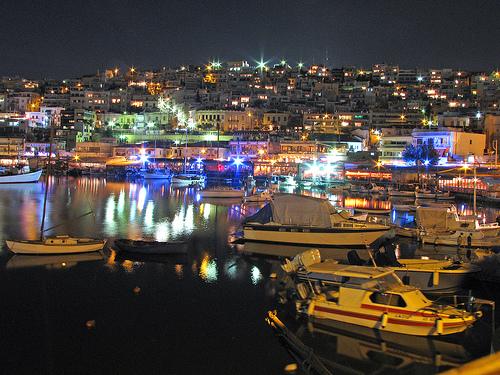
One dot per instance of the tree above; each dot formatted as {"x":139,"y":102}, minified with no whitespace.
{"x":424,"y":154}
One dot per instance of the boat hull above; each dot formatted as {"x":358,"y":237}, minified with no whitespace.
{"x":313,"y":236}
{"x":256,"y":199}
{"x":398,"y":320}
{"x":151,"y":176}
{"x":221,"y":193}
{"x":439,"y":281}
{"x":57,"y":247}
{"x":396,"y":193}
{"x":186,"y":182}
{"x":430,"y":279}
{"x":23,"y":178}
{"x":372,"y":211}
{"x":425,"y":195}
{"x":477,"y":239}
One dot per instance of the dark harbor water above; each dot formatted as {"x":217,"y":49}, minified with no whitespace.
{"x":199,"y":313}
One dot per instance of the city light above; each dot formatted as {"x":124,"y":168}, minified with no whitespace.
{"x":238,"y":161}
{"x":216,"y":64}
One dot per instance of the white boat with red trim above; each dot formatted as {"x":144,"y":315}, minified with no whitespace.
{"x":375,"y":297}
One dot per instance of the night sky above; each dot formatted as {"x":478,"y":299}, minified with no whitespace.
{"x":65,"y":38}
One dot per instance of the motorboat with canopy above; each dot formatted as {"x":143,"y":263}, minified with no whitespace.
{"x":376,"y":298}
{"x":297,"y":219}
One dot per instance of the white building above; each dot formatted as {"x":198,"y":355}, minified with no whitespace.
{"x":392,"y":147}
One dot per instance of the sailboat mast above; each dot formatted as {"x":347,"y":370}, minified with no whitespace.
{"x":475,"y":190}
{"x":218,"y":139}
{"x":47,"y":171}
{"x":185,"y":150}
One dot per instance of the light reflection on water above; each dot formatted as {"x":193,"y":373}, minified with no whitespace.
{"x":211,"y":278}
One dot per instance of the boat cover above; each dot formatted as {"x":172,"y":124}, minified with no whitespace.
{"x":290,"y":209}
{"x":432,"y":218}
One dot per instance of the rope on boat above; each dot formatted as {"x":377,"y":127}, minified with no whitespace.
{"x":75,"y":218}
{"x":304,"y":354}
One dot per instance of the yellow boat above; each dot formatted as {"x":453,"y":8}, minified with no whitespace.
{"x":375,"y":297}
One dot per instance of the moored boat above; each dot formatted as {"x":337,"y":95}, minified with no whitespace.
{"x":259,"y":197}
{"x":457,"y":238}
{"x":404,"y":231}
{"x":305,"y":220}
{"x":157,"y":174}
{"x":401,"y":193}
{"x":187,"y":179}
{"x":405,"y":207}
{"x":150,"y":247}
{"x":443,"y":226}
{"x":56,"y":245}
{"x":221,"y":192}
{"x":373,"y":211}
{"x":424,"y":194}
{"x":376,"y":298}
{"x":428,"y":275}
{"x":61,"y":244}
{"x":21,"y":178}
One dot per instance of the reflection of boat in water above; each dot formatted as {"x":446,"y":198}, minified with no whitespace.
{"x":150,"y":247}
{"x":305,"y":220}
{"x":55,"y":261}
{"x":152,"y":258}
{"x":287,"y":250}
{"x":343,"y":348}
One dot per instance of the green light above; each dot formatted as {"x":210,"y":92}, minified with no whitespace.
{"x":261,"y":65}
{"x":301,"y":64}
{"x":283,"y":62}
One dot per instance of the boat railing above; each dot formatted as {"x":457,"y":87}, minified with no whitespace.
{"x":468,"y":303}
